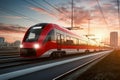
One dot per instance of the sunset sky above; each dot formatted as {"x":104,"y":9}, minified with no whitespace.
{"x":100,"y":15}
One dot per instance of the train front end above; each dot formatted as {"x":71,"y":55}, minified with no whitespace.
{"x":32,"y":42}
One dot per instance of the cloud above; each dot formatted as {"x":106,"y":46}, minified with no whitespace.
{"x":41,"y":10}
{"x":12,"y":33}
{"x":11,"y":36}
{"x":38,"y":9}
{"x":12,"y":17}
{"x":12,"y":28}
{"x":80,"y":15}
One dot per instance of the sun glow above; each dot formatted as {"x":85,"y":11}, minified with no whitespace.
{"x":99,"y":37}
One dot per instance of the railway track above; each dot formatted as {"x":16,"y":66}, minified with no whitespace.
{"x":58,"y":68}
{"x":16,"y":60}
{"x":74,"y":73}
{"x":12,"y":61}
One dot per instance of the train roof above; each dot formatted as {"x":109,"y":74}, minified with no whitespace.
{"x":65,"y":30}
{"x":55,"y":26}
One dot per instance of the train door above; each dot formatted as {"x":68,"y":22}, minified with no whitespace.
{"x":59,"y":41}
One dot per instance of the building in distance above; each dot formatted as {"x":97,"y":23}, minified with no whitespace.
{"x":114,"y":39}
{"x":2,"y":39}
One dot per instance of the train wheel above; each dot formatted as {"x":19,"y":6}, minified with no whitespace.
{"x":63,"y":54}
{"x":53,"y":55}
{"x":95,"y":51}
{"x":87,"y":51}
{"x":58,"y":54}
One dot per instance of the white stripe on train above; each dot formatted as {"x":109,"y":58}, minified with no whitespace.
{"x":68,"y":51}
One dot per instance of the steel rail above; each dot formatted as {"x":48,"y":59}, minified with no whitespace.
{"x":66,"y":75}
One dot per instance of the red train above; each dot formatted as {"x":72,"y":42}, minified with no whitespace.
{"x":47,"y":39}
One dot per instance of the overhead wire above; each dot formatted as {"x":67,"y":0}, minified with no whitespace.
{"x":118,"y":12}
{"x":12,"y":12}
{"x":101,"y":12}
{"x":37,"y":5}
{"x":56,"y":8}
{"x":52,"y":7}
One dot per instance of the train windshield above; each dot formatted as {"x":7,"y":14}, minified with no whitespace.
{"x":33,"y":34}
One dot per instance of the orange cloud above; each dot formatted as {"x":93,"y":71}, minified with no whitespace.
{"x":11,"y":36}
{"x":12,"y":33}
{"x":80,"y":15}
{"x":41,"y":10}
{"x":12,"y":17}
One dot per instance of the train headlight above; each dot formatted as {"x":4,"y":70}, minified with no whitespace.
{"x":36,"y":46}
{"x":21,"y":45}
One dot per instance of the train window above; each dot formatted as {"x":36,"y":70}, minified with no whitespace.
{"x":82,"y":42}
{"x":33,"y":34}
{"x":77,"y":41}
{"x":58,"y":38}
{"x":69,"y":40}
{"x":62,"y":39}
{"x":50,"y":36}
